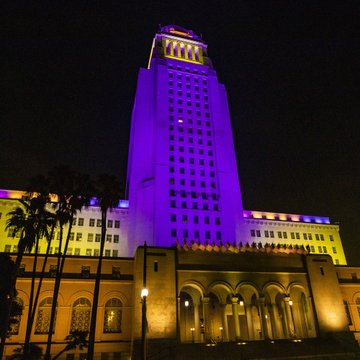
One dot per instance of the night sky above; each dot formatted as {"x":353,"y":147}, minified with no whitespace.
{"x":291,"y":69}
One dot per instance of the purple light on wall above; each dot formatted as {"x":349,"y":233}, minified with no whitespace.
{"x":182,"y":174}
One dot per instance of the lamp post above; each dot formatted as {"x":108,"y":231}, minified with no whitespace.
{"x":292,"y":317}
{"x":186,"y":304}
{"x":144,"y":294}
{"x":192,"y":334}
{"x":222,"y":333}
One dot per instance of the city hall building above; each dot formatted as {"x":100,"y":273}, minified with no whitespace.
{"x":220,"y":278}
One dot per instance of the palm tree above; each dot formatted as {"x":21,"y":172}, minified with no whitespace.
{"x":32,"y":221}
{"x":108,"y":194}
{"x":33,"y":353}
{"x":73,"y":192}
{"x":7,"y":294}
{"x":76,"y":339}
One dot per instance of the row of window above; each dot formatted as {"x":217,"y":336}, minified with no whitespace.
{"x":194,"y":194}
{"x":188,"y":111}
{"x":195,"y":219}
{"x":190,"y":150}
{"x":193,"y":205}
{"x":188,"y":78}
{"x":186,"y":69}
{"x":293,"y":235}
{"x":184,"y":233}
{"x":80,"y":316}
{"x":70,"y":251}
{"x":190,"y":130}
{"x":190,"y":140}
{"x":188,"y":103}
{"x":192,"y":171}
{"x":110,"y":223}
{"x":188,"y":86}
{"x":191,"y":161}
{"x":323,"y":249}
{"x":192,"y":183}
{"x":181,"y":120}
{"x":189,"y":94}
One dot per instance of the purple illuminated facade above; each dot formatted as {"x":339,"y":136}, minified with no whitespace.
{"x":182,"y":177}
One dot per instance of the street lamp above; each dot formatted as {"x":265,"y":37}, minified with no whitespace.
{"x":222,"y":334}
{"x":186,"y":303}
{"x":192,"y":334}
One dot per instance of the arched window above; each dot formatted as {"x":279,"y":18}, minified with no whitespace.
{"x":112,"y":316}
{"x":80,"y":317}
{"x":43,"y":316}
{"x":357,"y":302}
{"x":16,"y":318}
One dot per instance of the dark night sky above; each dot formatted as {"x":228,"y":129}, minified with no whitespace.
{"x":291,"y":69}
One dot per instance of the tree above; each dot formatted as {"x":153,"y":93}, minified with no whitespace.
{"x":34,"y":352}
{"x":75,"y":339}
{"x":32,"y":222}
{"x":108,"y":195}
{"x":73,"y":192}
{"x":7,"y":294}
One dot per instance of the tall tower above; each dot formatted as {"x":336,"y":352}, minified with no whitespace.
{"x":182,"y":177}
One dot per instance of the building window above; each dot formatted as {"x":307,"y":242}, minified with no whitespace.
{"x":317,"y":237}
{"x":112,"y":316}
{"x":78,"y":236}
{"x":80,"y":316}
{"x":320,"y":249}
{"x":115,"y":253}
{"x":266,"y":233}
{"x":110,"y":224}
{"x":292,"y":235}
{"x":321,"y":237}
{"x":207,"y":235}
{"x":334,"y":250}
{"x":42,"y":325}
{"x":88,"y":252}
{"x":324,"y":249}
{"x":312,"y":248}
{"x":108,"y":238}
{"x":96,"y":252}
{"x":116,"y":239}
{"x":15,"y":325}
{"x":71,"y":237}
{"x":97,"y":237}
{"x":284,"y":234}
{"x":206,"y":220}
{"x":309,"y":236}
{"x":107,"y":253}
{"x":252,"y":233}
{"x":297,"y":236}
{"x":173,"y":232}
{"x":98,"y":222}
{"x":279,"y":234}
{"x":305,"y":236}
{"x":81,"y":222}
{"x":90,"y":238}
{"x":77,"y":251}
{"x":331,"y":237}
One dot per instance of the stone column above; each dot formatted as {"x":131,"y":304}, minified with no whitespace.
{"x":197,"y":334}
{"x":206,"y":301}
{"x":264,"y":328}
{"x":234,"y":303}
{"x":273,"y":322}
{"x":289,"y":317}
{"x":225,"y":331}
{"x":249,"y":320}
{"x":171,"y":48}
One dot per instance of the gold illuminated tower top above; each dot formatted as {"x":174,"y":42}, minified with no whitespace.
{"x":176,"y":42}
